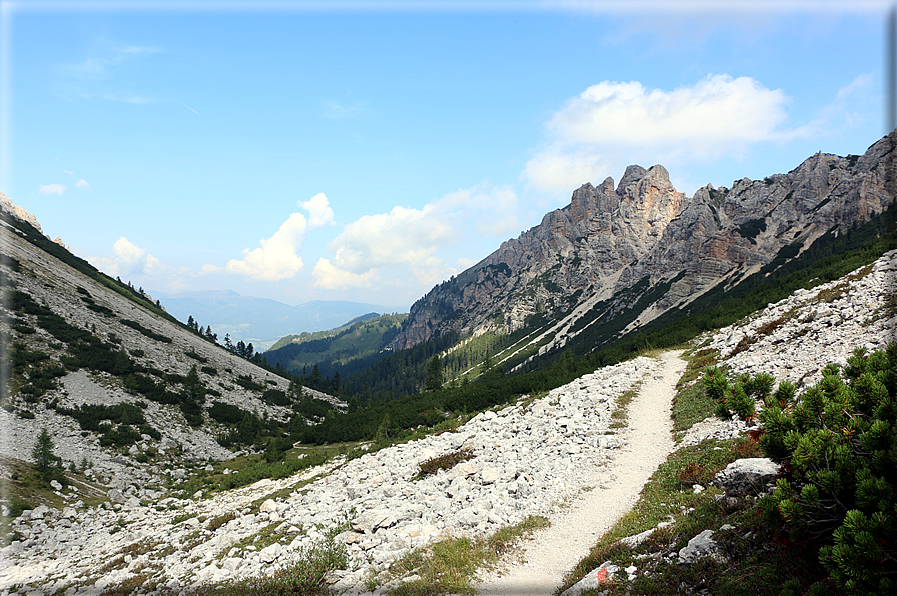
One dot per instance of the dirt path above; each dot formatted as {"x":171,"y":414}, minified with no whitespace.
{"x":574,"y":530}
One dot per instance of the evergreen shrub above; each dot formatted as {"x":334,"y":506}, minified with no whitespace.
{"x":837,"y":444}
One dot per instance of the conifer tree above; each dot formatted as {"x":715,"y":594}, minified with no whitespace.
{"x":44,"y":460}
{"x":434,"y":374}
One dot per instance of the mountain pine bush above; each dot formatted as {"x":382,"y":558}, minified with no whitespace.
{"x":837,"y":444}
{"x":738,"y":399}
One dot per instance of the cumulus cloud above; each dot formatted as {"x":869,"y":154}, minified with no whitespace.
{"x":133,"y":263}
{"x":276,"y":258}
{"x":82,"y":184}
{"x":319,"y":211}
{"x":717,"y":115}
{"x":127,"y":259}
{"x":411,"y":239}
{"x":330,"y":277}
{"x":404,"y":236}
{"x":52,"y":189}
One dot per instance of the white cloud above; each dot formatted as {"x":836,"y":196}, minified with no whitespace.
{"x":82,"y":184}
{"x":319,"y":211}
{"x":716,"y":110}
{"x":137,"y":50}
{"x":598,"y":130}
{"x":133,"y":263}
{"x":564,"y":169}
{"x":276,"y":258}
{"x":69,"y":172}
{"x":412,"y":239}
{"x":330,"y":277}
{"x":52,"y":189}
{"x":404,"y":236}
{"x":88,"y":70}
{"x":127,"y":259}
{"x":861,"y":85}
{"x":99,"y":76}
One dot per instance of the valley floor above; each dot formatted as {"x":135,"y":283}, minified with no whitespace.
{"x":526,"y":458}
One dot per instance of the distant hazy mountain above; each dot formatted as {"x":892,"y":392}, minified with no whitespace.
{"x":260,"y":320}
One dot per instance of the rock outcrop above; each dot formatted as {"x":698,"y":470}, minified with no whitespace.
{"x":750,"y":476}
{"x":7,"y":206}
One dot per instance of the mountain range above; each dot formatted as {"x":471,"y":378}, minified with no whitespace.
{"x":261,"y":321}
{"x":636,"y":251}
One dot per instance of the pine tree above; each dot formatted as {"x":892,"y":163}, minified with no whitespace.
{"x":382,"y":436}
{"x":42,"y":453}
{"x":434,"y":374}
{"x":193,"y":387}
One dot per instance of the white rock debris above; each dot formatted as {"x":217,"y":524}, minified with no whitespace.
{"x":526,"y":459}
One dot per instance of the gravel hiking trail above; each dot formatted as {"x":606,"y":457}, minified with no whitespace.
{"x":551,"y":553}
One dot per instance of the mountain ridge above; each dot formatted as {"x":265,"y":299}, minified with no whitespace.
{"x":610,"y":239}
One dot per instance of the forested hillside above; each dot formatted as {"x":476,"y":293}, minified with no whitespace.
{"x":323,"y":355}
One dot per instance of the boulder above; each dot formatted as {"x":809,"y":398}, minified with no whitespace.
{"x":702,"y":545}
{"x":369,"y":521}
{"x":270,"y":553}
{"x":608,"y":442}
{"x":269,"y":506}
{"x":749,"y":476}
{"x":593,"y":579}
{"x":490,"y":475}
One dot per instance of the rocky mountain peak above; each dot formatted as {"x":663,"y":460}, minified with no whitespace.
{"x":632,"y":173}
{"x":643,"y":237}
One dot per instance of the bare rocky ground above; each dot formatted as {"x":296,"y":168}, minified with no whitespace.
{"x":528,"y":458}
{"x":574,"y":529}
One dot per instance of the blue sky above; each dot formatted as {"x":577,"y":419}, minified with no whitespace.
{"x":367,"y":151}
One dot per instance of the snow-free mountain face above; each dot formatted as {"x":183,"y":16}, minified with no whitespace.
{"x":262,"y":321}
{"x":117,"y":381}
{"x":613,"y":246}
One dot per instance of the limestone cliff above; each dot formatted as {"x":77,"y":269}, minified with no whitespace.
{"x":609,"y":239}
